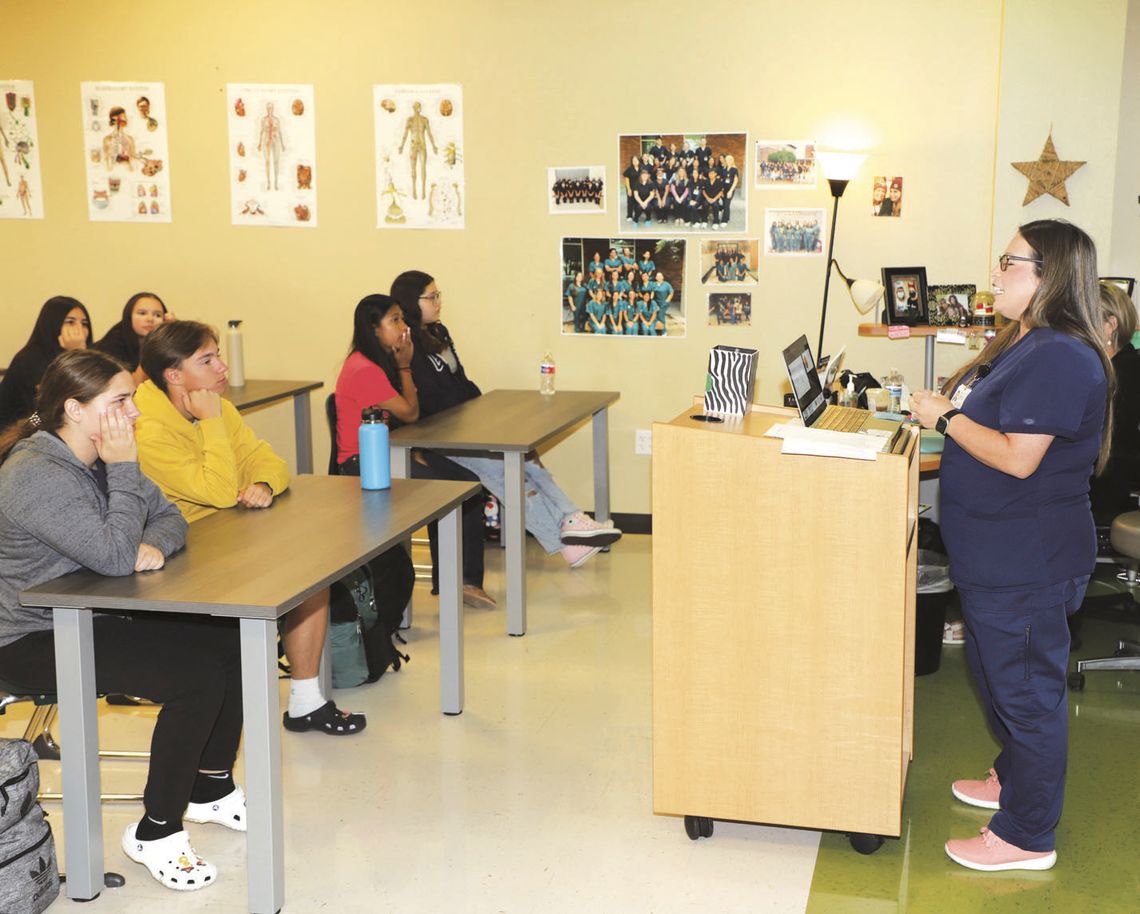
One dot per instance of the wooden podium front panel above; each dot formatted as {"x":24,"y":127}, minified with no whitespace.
{"x":783,"y":603}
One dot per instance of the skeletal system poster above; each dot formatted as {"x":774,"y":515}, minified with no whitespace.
{"x":126,"y":152}
{"x":272,"y":155}
{"x":21,"y":191}
{"x":419,"y":156}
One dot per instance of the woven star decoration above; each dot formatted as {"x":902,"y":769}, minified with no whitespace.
{"x":1047,"y":175}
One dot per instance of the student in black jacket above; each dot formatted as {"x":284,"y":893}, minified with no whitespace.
{"x":63,"y":324}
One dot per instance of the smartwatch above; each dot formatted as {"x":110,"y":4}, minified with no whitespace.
{"x":944,"y":421}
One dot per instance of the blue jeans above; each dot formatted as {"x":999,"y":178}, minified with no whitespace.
{"x":546,"y":504}
{"x":1017,"y":646}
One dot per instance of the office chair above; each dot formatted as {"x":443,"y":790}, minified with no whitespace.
{"x":1125,"y":539}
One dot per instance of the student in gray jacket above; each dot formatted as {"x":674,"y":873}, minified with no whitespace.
{"x":72,"y":496}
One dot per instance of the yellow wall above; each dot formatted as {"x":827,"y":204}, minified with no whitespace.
{"x":916,"y":84}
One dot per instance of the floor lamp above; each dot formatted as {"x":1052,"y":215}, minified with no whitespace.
{"x":839,"y":168}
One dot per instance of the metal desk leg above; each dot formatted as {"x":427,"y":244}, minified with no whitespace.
{"x":324,"y":672}
{"x":303,"y":432}
{"x":602,"y":464}
{"x":400,"y":461}
{"x":451,"y":613}
{"x":265,"y":853}
{"x":928,"y":367}
{"x":79,"y":762}
{"x":514,"y":529}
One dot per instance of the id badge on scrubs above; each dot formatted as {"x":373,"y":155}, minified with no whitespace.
{"x":960,"y":396}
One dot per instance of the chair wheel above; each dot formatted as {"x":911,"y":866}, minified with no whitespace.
{"x":1076,"y":682}
{"x":698,"y":827}
{"x":865,"y":844}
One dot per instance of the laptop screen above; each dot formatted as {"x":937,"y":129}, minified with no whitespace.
{"x":805,"y":381}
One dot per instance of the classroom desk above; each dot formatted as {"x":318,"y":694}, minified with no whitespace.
{"x":513,"y":423}
{"x":262,"y":393}
{"x":256,"y":566}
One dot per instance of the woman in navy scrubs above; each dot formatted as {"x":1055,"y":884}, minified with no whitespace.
{"x":1026,"y":424}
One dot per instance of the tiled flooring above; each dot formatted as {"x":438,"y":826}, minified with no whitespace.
{"x":537,"y":798}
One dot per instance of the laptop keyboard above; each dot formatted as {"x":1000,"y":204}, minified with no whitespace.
{"x":841,"y":419}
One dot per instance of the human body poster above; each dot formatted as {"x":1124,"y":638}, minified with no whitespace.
{"x":419,"y":156}
{"x":21,"y":190}
{"x":272,"y":155}
{"x":126,"y":152}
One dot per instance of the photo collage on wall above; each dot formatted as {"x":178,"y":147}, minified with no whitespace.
{"x":628,"y":286}
{"x":126,"y":157}
{"x":419,"y":156}
{"x":21,"y":189}
{"x":272,"y":154}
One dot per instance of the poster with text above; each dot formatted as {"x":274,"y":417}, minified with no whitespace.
{"x":272,"y":155}
{"x":126,"y":152}
{"x":21,"y":190}
{"x":419,"y":156}
{"x":623,"y":287}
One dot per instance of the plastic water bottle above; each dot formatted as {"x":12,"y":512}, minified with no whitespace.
{"x":235,"y":357}
{"x":894,"y":386}
{"x":546,"y":375}
{"x":375,"y":462}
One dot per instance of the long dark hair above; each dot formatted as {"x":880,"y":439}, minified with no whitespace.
{"x":1066,"y":300}
{"x":370,"y":310}
{"x":49,"y":324}
{"x":77,"y":374}
{"x":407,"y":289}
{"x":123,"y":333}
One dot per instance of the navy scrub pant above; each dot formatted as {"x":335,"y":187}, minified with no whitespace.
{"x":1017,"y":645}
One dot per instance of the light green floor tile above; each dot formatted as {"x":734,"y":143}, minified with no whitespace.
{"x":1098,"y":839}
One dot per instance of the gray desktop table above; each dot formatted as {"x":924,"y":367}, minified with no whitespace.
{"x":512,"y":423}
{"x":256,"y":566}
{"x":262,"y":393}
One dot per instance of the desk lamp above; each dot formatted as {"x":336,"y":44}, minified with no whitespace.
{"x":839,"y":168}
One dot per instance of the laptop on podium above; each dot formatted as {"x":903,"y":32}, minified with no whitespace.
{"x":812,"y":403}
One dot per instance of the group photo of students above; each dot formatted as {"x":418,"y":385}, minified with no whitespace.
{"x":577,"y":188}
{"x":615,"y":287}
{"x":689,"y":182}
{"x":112,"y":445}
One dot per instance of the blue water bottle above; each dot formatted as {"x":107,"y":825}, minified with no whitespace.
{"x":375,"y":464}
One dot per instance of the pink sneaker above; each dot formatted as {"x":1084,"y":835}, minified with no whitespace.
{"x":581,"y":530}
{"x":986,"y":794}
{"x":990,"y":854}
{"x":577,"y":556}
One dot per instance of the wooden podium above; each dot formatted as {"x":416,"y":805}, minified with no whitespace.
{"x":783,"y":629}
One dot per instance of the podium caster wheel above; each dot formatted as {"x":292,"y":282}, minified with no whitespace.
{"x":698,"y":827}
{"x":865,"y":844}
{"x":1076,"y":682}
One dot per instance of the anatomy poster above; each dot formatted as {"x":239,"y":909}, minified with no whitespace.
{"x":21,"y":192}
{"x":272,"y":155}
{"x":127,"y":156}
{"x":419,"y":156}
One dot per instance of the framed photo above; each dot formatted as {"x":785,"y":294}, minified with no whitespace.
{"x":730,"y":261}
{"x":580,"y":189}
{"x":906,"y":295}
{"x":1127,"y":283}
{"x":730,"y":308}
{"x":949,"y":306}
{"x":793,"y":232}
{"x":786,"y":164}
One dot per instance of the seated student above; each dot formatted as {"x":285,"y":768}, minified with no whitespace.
{"x":62,"y":324}
{"x":596,"y":313}
{"x":198,"y":450}
{"x":556,"y":522}
{"x":377,"y":373}
{"x":141,"y":314}
{"x":71,"y":497}
{"x":625,"y":316}
{"x":1110,"y":491}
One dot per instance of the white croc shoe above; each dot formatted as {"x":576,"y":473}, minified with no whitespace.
{"x":171,"y":860}
{"x":228,"y":811}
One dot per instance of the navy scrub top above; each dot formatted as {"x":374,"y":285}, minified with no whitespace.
{"x":1005,"y":533}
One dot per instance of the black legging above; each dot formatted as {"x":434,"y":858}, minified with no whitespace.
{"x":189,"y":664}
{"x":437,"y":466}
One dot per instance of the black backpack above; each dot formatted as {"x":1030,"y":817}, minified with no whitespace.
{"x":29,"y":873}
{"x":366,"y":609}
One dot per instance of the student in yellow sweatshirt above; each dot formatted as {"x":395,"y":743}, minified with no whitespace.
{"x":197,"y":448}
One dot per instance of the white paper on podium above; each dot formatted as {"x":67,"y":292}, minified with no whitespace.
{"x":818,"y":442}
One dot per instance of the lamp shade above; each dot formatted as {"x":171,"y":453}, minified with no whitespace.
{"x":865,"y":293}
{"x":840,"y":166}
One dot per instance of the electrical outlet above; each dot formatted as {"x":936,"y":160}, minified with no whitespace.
{"x":643,"y":441}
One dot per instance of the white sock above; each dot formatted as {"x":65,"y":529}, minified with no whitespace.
{"x":305,"y":696}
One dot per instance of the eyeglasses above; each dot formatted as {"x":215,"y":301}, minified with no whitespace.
{"x":436,"y":296}
{"x":1004,"y":260}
